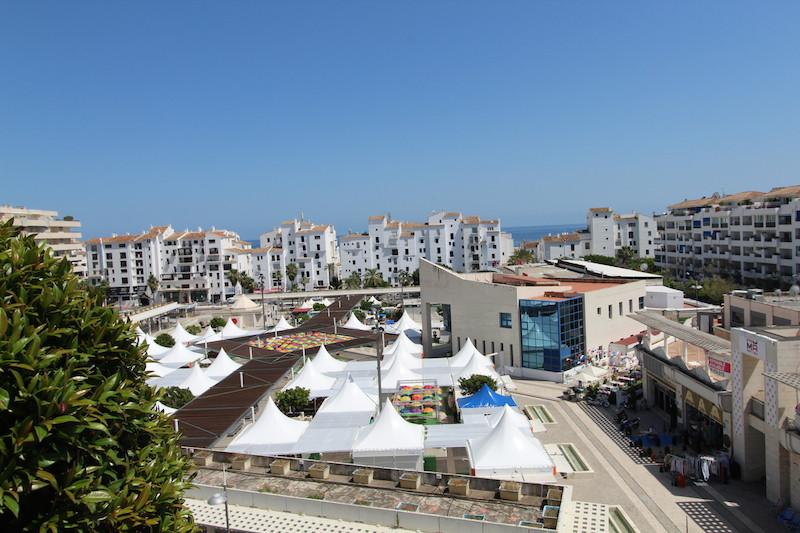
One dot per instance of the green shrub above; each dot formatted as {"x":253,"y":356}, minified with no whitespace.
{"x":218,"y":322}
{"x":177,"y":397}
{"x":166,"y":340}
{"x":365,"y":305}
{"x":318,"y":307}
{"x":359,"y":314}
{"x":81,"y":447}
{"x":194,"y":329}
{"x":473,"y":384}
{"x":292,"y":400}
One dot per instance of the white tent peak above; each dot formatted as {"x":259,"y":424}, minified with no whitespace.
{"x":405,"y":323}
{"x":464,"y":355}
{"x":222,"y":366}
{"x":167,"y":410}
{"x":282,"y":325}
{"x":179,"y":355}
{"x":402,"y":341}
{"x":354,"y":323}
{"x":197,"y":381}
{"x":182,"y":336}
{"x":390,"y":431}
{"x":348,"y":399}
{"x":270,"y":428}
{"x":507,"y":446}
{"x":478,"y":366}
{"x":312,"y":379}
{"x":243,"y":302}
{"x":325,"y":362}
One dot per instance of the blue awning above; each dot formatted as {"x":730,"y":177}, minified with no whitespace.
{"x":486,"y":397}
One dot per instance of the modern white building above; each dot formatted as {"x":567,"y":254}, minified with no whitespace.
{"x":62,"y":235}
{"x":311,"y":247}
{"x":540,"y":326}
{"x":463,"y":243}
{"x":606,"y":233}
{"x":751,"y":237}
{"x":190,"y":266}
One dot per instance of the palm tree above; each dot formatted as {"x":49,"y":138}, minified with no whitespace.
{"x":291,"y":273}
{"x":521,"y":256}
{"x":234,"y":277}
{"x":353,"y":281}
{"x":373,"y":278}
{"x":625,"y":255}
{"x":153,"y":284}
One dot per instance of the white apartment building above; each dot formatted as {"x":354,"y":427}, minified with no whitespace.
{"x":190,"y":266}
{"x":751,"y":237}
{"x":61,"y":235}
{"x":463,"y":243}
{"x":605,"y":234}
{"x":311,"y":247}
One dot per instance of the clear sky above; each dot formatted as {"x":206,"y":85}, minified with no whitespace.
{"x":241,"y":114}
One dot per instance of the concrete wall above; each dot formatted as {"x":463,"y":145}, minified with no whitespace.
{"x":602,"y":330}
{"x":771,"y":311}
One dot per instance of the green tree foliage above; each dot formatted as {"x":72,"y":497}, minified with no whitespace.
{"x":153,"y":285}
{"x":336,"y":283}
{"x":373,"y":279}
{"x":177,"y":397}
{"x":291,"y":273}
{"x":194,"y":329}
{"x":165,"y":339}
{"x":601,"y":259}
{"x":81,"y":447}
{"x":712,"y":291}
{"x":248,"y":283}
{"x":365,"y":305}
{"x":218,"y":322}
{"x":359,"y":314}
{"x":318,"y":307}
{"x":473,"y":384}
{"x":353,"y":281}
{"x":415,"y":277}
{"x":404,"y":279}
{"x":521,"y":256}
{"x":292,"y":400}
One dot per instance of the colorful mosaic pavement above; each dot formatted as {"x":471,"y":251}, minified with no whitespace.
{"x":298,"y":341}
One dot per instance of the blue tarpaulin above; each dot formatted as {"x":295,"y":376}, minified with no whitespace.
{"x":486,"y":397}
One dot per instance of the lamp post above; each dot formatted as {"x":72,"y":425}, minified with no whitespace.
{"x":263,"y":309}
{"x":219,"y":499}
{"x":378,"y":329}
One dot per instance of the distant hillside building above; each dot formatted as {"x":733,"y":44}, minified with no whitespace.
{"x":463,"y":243}
{"x":606,"y":233}
{"x":62,"y":235}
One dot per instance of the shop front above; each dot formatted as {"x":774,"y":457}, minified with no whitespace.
{"x":703,"y":424}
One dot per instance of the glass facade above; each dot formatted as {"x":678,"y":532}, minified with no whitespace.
{"x":552,"y":333}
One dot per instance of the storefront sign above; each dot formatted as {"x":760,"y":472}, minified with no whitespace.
{"x":704,"y":406}
{"x":752,"y":346}
{"x":719,"y":366}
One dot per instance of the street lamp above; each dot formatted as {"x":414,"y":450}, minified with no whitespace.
{"x":220,"y":499}
{"x":263,"y":310}
{"x":378,"y":330}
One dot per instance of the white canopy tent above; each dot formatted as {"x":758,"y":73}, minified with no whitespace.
{"x":169,"y":411}
{"x":222,"y":366}
{"x":312,"y":379}
{"x":390,"y":441}
{"x":402,"y":341}
{"x":182,"y":336}
{"x":509,"y":452}
{"x":272,"y":433}
{"x":232,"y":331}
{"x":403,"y":356}
{"x":590,"y":374}
{"x":325,"y":362}
{"x":241,"y":302}
{"x":179,"y":355}
{"x":404,"y":324}
{"x":158,"y":370}
{"x":282,"y":325}
{"x":350,"y":400}
{"x":477,"y":366}
{"x":464,"y":355}
{"x":354,"y":323}
{"x":197,"y":381}
{"x":153,"y":348}
{"x":208,"y":332}
{"x":398,"y":373}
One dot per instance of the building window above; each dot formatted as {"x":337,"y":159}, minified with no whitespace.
{"x":552,"y":333}
{"x":620,"y":309}
{"x":630,"y":306}
{"x":610,"y":311}
{"x":599,"y":311}
{"x":505,"y":320}
{"x":641,"y":302}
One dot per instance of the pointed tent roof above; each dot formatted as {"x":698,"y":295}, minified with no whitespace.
{"x":231,"y":331}
{"x":140,"y":332}
{"x":516,"y":417}
{"x":396,"y":373}
{"x":486,"y":397}
{"x":158,"y":406}
{"x":179,"y":355}
{"x":312,"y":379}
{"x":402,"y":340}
{"x":354,"y":323}
{"x":403,"y":357}
{"x":208,"y":332}
{"x":197,"y":381}
{"x":159,"y":370}
{"x":464,"y":355}
{"x":222,"y":366}
{"x":389,"y":432}
{"x":243,"y":302}
{"x":271,"y":429}
{"x":182,"y":336}
{"x":154,"y":349}
{"x":405,"y":323}
{"x":282,"y":325}
{"x":507,"y":447}
{"x":477,"y":365}
{"x":350,"y":398}
{"x":325,"y":362}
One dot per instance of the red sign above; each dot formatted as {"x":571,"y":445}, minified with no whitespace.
{"x":719,"y":366}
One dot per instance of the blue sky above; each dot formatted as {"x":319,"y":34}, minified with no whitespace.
{"x":241,"y":114}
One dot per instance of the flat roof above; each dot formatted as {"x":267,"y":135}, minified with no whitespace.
{"x":704,"y":340}
{"x":609,"y":271}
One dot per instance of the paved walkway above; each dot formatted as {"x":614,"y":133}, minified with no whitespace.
{"x":622,"y":478}
{"x":262,"y":521}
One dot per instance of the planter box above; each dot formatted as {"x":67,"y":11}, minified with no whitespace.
{"x":280,"y":467}
{"x":319,"y":471}
{"x":458,"y":486}
{"x":510,"y":490}
{"x":363,"y":476}
{"x":410,"y":480}
{"x":241,"y":462}
{"x":203,"y":458}
{"x":550,"y":516}
{"x":553,"y":497}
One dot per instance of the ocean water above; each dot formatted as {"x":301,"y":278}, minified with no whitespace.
{"x":534,"y":233}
